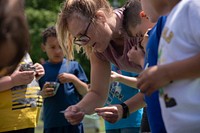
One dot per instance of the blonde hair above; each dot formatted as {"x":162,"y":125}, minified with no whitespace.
{"x":86,"y":8}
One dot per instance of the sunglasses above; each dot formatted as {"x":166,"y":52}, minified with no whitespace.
{"x":83,"y":39}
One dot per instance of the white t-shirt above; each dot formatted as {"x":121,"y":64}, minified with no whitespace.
{"x":180,"y":101}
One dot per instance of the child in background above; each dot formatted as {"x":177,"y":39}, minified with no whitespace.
{"x":120,"y":92}
{"x":148,"y":19}
{"x":72,"y":84}
{"x":178,"y":70}
{"x":20,"y":101}
{"x":153,"y":106}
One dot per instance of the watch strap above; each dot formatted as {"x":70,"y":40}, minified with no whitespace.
{"x":125,"y":110}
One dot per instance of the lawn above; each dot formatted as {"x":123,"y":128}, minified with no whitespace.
{"x":89,"y":127}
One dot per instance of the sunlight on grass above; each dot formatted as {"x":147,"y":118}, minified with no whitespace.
{"x":39,"y":128}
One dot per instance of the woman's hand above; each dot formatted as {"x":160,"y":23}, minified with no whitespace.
{"x":74,"y":115}
{"x":111,"y":113}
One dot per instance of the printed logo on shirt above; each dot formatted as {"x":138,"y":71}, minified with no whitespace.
{"x":167,"y":35}
{"x":115,"y":89}
{"x":115,"y":92}
{"x":25,"y":96}
{"x":169,"y":101}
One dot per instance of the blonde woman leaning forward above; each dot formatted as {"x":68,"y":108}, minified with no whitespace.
{"x":96,"y":27}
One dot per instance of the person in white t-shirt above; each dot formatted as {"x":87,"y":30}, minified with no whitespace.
{"x":177,"y":73}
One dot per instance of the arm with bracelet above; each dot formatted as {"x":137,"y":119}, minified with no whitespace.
{"x":125,"y":110}
{"x":115,"y":112}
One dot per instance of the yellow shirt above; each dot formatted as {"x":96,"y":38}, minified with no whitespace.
{"x":20,"y":106}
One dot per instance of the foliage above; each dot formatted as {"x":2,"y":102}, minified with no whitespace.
{"x":38,"y":20}
{"x":41,"y":14}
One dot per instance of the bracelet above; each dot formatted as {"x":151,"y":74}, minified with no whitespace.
{"x":125,"y":110}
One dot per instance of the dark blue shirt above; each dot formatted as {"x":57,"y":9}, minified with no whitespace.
{"x":66,"y":94}
{"x":153,"y":105}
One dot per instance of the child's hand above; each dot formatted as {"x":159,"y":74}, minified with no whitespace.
{"x":22,"y":77}
{"x":152,"y":79}
{"x":47,"y":91}
{"x":114,"y":76}
{"x":66,"y":77}
{"x":39,"y":70}
{"x":136,"y":55}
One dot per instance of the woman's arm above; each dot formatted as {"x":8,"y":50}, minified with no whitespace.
{"x":113,"y":113}
{"x":100,"y":75}
{"x":96,"y":97}
{"x":136,"y":102}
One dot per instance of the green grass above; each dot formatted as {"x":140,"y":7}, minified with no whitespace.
{"x":39,"y":128}
{"x":102,"y":127}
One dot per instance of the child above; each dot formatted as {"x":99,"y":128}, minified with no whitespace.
{"x":178,"y":69}
{"x":20,"y":101}
{"x":14,"y":35}
{"x":71,"y":79}
{"x":120,"y":92}
{"x":153,"y":106}
{"x":136,"y":23}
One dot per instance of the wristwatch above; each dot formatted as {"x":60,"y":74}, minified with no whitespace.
{"x":125,"y":110}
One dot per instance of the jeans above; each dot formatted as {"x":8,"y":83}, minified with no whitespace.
{"x":125,"y":130}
